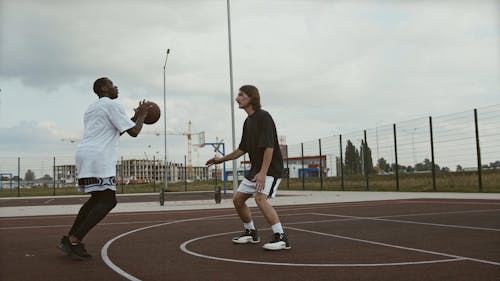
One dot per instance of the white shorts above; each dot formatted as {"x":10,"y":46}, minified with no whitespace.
{"x":270,"y":188}
{"x":101,"y":185}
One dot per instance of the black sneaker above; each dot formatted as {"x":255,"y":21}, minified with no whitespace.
{"x":64,"y":245}
{"x":79,"y":251}
{"x":279,"y":242}
{"x":249,"y":236}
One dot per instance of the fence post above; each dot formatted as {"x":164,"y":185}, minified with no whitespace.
{"x":478,"y":150}
{"x":185,"y":174}
{"x":432,"y":156}
{"x":288,"y":168}
{"x":303,"y":172}
{"x":155,"y":170}
{"x":18,"y":176}
{"x":121,"y":172}
{"x":364,"y":161}
{"x":320,"y":165}
{"x":396,"y":156}
{"x":341,"y":164}
{"x":54,"y":176}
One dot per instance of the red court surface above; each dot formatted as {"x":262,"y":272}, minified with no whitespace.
{"x":415,"y":239}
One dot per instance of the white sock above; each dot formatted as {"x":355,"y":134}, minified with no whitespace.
{"x":277,"y":228}
{"x":249,"y":225}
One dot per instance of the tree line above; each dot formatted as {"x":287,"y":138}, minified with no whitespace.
{"x":360,"y":162}
{"x":28,"y":176}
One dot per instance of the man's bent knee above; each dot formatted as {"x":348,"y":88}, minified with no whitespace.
{"x":260,"y":198}
{"x":239,"y":199}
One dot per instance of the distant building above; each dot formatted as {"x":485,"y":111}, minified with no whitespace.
{"x":311,"y":168}
{"x":65,"y":175}
{"x":139,"y":171}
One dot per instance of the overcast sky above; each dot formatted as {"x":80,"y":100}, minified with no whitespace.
{"x":322,"y":67}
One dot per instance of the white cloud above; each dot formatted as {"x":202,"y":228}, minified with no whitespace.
{"x":323,"y":67}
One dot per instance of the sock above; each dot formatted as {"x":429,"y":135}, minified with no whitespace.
{"x":249,"y":225}
{"x":277,"y":228}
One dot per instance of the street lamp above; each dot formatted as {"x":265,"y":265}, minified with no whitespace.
{"x":235,"y":168}
{"x":165,"y":178}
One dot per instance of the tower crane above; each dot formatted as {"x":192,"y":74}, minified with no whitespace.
{"x":189,"y":135}
{"x":71,"y":140}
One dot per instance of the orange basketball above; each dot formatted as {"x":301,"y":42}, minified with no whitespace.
{"x":154,"y":114}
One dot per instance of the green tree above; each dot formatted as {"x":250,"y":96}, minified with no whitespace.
{"x":383,"y":165}
{"x":46,"y":177}
{"x":425,"y":166}
{"x":366,"y":155}
{"x":352,"y":159}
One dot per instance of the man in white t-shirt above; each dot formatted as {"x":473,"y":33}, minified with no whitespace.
{"x":104,"y":122}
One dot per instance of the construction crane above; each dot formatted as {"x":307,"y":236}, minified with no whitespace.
{"x":71,"y":140}
{"x":189,"y":135}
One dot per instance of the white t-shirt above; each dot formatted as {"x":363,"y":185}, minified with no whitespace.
{"x":96,"y":154}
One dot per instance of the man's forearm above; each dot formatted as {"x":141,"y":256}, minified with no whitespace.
{"x":233,"y":155}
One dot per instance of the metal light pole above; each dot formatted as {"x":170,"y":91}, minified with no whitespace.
{"x":165,"y":124}
{"x":412,"y":133}
{"x":235,"y":168}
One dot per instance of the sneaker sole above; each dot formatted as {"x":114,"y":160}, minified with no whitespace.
{"x":276,"y":248}
{"x":246,"y":241}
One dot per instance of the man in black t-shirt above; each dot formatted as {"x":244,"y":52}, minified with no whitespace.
{"x":259,"y":139}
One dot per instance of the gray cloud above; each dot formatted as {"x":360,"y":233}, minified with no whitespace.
{"x":340,"y":65}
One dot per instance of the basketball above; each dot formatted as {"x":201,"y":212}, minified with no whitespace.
{"x":153,"y":114}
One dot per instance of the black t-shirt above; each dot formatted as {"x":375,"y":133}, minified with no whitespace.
{"x":259,"y":133}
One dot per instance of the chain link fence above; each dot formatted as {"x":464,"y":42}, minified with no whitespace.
{"x":454,"y":152}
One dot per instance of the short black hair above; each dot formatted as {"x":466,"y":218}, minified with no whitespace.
{"x":99,"y":83}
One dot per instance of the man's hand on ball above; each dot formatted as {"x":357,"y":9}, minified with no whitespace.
{"x":142,"y":109}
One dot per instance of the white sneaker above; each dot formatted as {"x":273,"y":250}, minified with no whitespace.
{"x":249,"y":236}
{"x":279,"y":242}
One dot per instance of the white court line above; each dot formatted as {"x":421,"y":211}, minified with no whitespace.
{"x":135,"y":222}
{"x":48,"y":201}
{"x":279,"y":207}
{"x":450,"y":202}
{"x":441,"y":213}
{"x":117,"y":269}
{"x":184,"y":248}
{"x":68,"y":225}
{"x":108,"y":262}
{"x":362,"y":218}
{"x":369,"y":204}
{"x":396,"y":246}
{"x":409,"y":222}
{"x":259,"y":216}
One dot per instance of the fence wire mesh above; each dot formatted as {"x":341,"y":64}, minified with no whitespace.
{"x":453,"y":152}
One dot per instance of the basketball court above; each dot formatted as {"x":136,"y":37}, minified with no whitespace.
{"x":397,"y":239}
